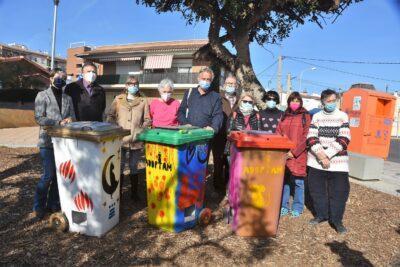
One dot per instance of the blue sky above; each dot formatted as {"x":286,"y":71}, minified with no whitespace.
{"x":368,"y":31}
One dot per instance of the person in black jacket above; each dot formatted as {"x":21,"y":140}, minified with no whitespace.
{"x":271,"y":115}
{"x":87,"y":95}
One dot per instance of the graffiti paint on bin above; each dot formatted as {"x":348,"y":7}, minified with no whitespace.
{"x":190,"y":191}
{"x":175,"y":184}
{"x":161,"y":179}
{"x":83,"y":201}
{"x":260,"y":196}
{"x":108,"y":174}
{"x":111,"y":210}
{"x":67,"y":170}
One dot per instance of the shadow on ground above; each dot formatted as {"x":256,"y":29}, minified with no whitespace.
{"x":348,"y":256}
{"x":134,"y":242}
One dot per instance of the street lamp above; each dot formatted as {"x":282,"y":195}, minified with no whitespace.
{"x":53,"y":43}
{"x":301,"y":75}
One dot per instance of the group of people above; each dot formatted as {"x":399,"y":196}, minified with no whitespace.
{"x":319,"y":156}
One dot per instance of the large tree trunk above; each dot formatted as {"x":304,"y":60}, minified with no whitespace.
{"x":244,"y":69}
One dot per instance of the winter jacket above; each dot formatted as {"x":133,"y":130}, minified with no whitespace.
{"x":295,"y":126}
{"x":87,"y":107}
{"x":47,"y":113}
{"x":131,"y":115}
{"x":237,"y":122}
{"x":270,"y":119}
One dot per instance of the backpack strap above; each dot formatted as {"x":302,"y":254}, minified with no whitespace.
{"x":187,"y":102}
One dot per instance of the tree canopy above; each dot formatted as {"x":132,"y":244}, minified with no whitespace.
{"x":243,"y":22}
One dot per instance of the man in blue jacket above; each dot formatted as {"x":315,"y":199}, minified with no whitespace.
{"x":202,"y":107}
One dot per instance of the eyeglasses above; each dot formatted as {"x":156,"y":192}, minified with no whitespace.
{"x":247,"y":101}
{"x":270,"y":98}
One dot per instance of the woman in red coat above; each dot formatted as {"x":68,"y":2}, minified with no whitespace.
{"x":295,"y":124}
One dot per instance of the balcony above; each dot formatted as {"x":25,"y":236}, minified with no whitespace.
{"x":150,"y":78}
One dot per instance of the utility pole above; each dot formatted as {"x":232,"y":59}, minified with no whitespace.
{"x":53,"y":43}
{"x":279,"y":76}
{"x":289,"y":83}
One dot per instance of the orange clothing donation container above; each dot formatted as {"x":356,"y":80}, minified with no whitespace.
{"x":257,"y":167}
{"x":370,"y":118}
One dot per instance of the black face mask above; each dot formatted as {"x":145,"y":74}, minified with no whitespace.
{"x":59,"y":83}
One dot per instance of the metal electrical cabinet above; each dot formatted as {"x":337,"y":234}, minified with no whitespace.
{"x":370,"y":117}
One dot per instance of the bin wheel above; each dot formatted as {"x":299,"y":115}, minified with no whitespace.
{"x":59,"y":222}
{"x":205,"y":216}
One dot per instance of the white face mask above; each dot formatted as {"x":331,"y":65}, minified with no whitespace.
{"x":90,"y":77}
{"x":165,"y":96}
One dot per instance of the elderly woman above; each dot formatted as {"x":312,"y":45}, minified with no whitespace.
{"x":328,"y":161}
{"x":243,"y":117}
{"x":130,"y":110}
{"x":52,"y":107}
{"x":164,"y":110}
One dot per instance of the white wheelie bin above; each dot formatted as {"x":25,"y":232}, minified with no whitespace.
{"x":87,"y":156}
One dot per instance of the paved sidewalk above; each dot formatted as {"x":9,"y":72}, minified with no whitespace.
{"x":19,"y":137}
{"x":389,"y":181}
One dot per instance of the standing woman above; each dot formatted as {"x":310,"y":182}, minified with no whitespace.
{"x":328,"y":177}
{"x":130,"y":110}
{"x":271,"y":115}
{"x":52,"y":107}
{"x":295,"y":124}
{"x":164,"y":110}
{"x":243,"y":117}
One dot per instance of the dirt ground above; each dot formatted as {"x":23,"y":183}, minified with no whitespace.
{"x":372,"y":219}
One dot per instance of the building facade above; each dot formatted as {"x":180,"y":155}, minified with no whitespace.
{"x":39,"y":57}
{"x":149,"y":62}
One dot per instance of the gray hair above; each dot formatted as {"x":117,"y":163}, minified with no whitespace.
{"x":207,"y":69}
{"x":166,"y":82}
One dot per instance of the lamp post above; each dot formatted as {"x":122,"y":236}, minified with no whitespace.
{"x":301,"y":75}
{"x":53,"y":43}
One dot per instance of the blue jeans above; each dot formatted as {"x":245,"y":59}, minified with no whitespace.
{"x":46,"y":195}
{"x":296,"y":183}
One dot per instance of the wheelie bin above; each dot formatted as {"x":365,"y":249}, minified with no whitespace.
{"x":176,"y":163}
{"x":257,"y":167}
{"x":87,"y":156}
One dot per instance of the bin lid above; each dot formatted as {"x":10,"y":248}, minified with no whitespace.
{"x":175,"y":135}
{"x":88,"y":130}
{"x":260,"y":139}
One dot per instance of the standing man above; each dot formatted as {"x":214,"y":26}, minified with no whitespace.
{"x":202,"y":107}
{"x":87,"y":95}
{"x":52,"y":107}
{"x":221,"y":166}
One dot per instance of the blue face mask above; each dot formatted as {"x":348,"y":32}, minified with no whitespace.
{"x":246,"y":107}
{"x":271,"y":104}
{"x":204,"y":85}
{"x":330,"y":107}
{"x":133,"y":89}
{"x":230,"y":89}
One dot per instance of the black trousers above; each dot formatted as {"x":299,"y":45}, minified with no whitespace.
{"x":329,"y":192}
{"x":221,"y":167}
